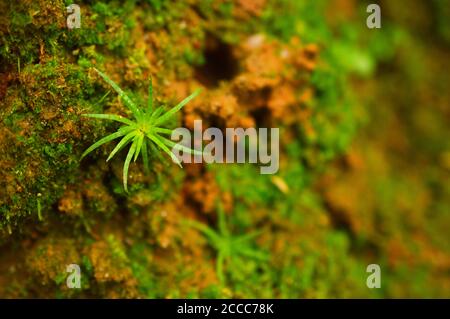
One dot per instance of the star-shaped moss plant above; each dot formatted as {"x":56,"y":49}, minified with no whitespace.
{"x":144,"y":132}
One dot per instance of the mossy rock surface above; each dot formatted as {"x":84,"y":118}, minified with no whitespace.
{"x":363,"y":163}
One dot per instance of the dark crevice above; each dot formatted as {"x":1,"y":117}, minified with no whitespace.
{"x":262,"y":117}
{"x":220,"y":63}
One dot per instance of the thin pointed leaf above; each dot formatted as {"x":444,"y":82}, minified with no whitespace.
{"x":222,"y":224}
{"x":157,"y":113}
{"x":219,"y":268}
{"x":102,"y":141}
{"x":145,"y":155}
{"x":124,"y":141}
{"x":248,"y":237}
{"x":104,"y":97}
{"x":126,"y":164}
{"x":162,"y":130}
{"x":128,"y":102}
{"x":255,"y":254}
{"x":111,"y":117}
{"x":164,"y":148}
{"x":208,"y":232}
{"x":140,"y":139}
{"x":157,"y":152}
{"x":179,"y":146}
{"x":163,"y":118}
{"x":150,"y":96}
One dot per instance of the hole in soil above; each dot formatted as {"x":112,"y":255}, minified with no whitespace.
{"x":220,"y":64}
{"x":262,"y":117}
